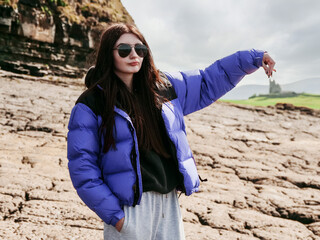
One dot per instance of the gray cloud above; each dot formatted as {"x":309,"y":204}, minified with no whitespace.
{"x":188,"y":34}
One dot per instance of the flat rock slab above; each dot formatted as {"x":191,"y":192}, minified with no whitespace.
{"x":262,"y":165}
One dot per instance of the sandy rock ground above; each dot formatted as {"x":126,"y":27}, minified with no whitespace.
{"x":262,"y":167}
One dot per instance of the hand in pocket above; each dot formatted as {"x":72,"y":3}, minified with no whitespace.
{"x":119,"y":224}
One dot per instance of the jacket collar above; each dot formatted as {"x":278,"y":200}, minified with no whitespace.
{"x":119,"y":110}
{"x":122,"y":113}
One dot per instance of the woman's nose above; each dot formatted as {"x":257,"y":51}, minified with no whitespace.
{"x":133,"y":53}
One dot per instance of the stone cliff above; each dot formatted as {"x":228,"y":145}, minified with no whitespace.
{"x":56,"y":37}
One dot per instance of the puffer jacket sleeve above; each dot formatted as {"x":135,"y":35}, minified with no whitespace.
{"x":199,"y":88}
{"x":83,"y":152}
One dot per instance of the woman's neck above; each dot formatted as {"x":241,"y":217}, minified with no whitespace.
{"x":126,"y":78}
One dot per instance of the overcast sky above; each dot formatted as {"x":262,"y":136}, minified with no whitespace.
{"x":190,"y":34}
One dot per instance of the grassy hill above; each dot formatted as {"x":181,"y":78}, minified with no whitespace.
{"x":304,"y":99}
{"x":310,"y":85}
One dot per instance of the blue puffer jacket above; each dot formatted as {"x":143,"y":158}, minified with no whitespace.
{"x":107,"y":181}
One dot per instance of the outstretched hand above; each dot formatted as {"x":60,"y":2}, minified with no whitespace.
{"x":268,"y":64}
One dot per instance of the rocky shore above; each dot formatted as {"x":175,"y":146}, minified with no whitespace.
{"x":262,"y":165}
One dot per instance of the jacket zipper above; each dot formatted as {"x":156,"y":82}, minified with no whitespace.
{"x":135,"y":187}
{"x":133,"y":157}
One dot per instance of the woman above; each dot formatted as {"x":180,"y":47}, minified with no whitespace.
{"x":127,"y":146}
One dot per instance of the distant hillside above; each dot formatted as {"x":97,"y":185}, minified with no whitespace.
{"x":311,"y":85}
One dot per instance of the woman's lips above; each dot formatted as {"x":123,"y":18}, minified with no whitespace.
{"x":134,"y":63}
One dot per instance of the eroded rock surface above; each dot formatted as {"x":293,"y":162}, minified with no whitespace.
{"x":262,"y":167}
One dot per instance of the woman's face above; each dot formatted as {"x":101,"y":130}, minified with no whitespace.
{"x":125,"y":67}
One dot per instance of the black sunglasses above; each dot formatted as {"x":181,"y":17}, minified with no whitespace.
{"x":124,"y":50}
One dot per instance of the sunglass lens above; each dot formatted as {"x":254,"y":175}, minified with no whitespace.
{"x":141,"y":50}
{"x":124,"y":50}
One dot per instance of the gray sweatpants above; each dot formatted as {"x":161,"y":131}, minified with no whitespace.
{"x":157,"y":217}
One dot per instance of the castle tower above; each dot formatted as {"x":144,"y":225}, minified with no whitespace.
{"x":274,"y":88}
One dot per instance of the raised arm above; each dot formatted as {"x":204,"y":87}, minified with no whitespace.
{"x":83,"y":151}
{"x":199,"y":88}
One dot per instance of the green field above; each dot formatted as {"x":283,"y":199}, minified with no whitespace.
{"x":304,"y":99}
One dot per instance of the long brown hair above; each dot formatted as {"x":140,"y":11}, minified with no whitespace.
{"x":143,"y":105}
